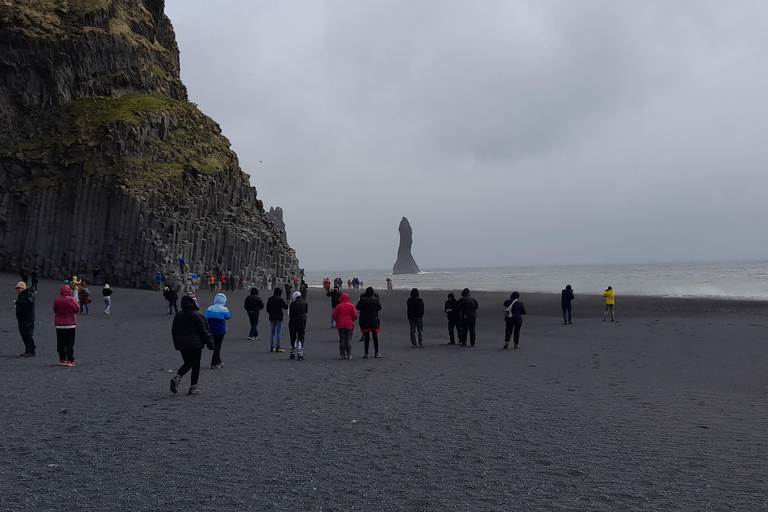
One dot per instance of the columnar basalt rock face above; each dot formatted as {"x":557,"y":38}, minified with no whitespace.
{"x":103,"y":162}
{"x":405,"y":263}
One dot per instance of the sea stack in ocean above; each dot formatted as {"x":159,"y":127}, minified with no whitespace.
{"x":405,"y":263}
{"x":105,"y":163}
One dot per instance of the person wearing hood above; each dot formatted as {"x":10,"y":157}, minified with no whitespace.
{"x":190,"y":332}
{"x":565,"y":303}
{"x":65,"y":308}
{"x":513,"y":316}
{"x":345,"y":315}
{"x":297,"y":325}
{"x":415,"y":310}
{"x":452,"y":311}
{"x":25,"y":317}
{"x":275,"y":306}
{"x":84,"y":294}
{"x":369,"y":307}
{"x":468,"y":317}
{"x":171,"y":296}
{"x":253,"y":304}
{"x":335,"y":295}
{"x":106,"y":292}
{"x":610,"y":304}
{"x":217,"y":316}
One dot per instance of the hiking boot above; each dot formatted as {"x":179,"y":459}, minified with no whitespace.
{"x":193,"y":390}
{"x":292,"y":357}
{"x":300,"y":358}
{"x":175,"y":384}
{"x":378,"y":355}
{"x":279,"y":350}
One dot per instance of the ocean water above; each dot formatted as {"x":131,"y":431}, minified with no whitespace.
{"x":738,"y":280}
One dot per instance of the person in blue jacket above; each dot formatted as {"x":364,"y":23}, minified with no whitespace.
{"x":217,"y":316}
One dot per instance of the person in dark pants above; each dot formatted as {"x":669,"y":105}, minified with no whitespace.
{"x":171,"y":296}
{"x":25,"y":316}
{"x":452,"y":311}
{"x":345,"y":315}
{"x":24,"y":273}
{"x":217,"y":316}
{"x":297,"y":325}
{"x":335,"y":295}
{"x":565,"y":303}
{"x":253,"y":304}
{"x":190,"y":333}
{"x":66,"y":308}
{"x":468,"y":318}
{"x":513,"y":316}
{"x":369,"y":307}
{"x":34,"y":275}
{"x":415,"y":309}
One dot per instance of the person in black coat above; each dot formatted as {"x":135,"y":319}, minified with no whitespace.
{"x":468,"y":318}
{"x":275,"y":306}
{"x":415,"y":307}
{"x":171,"y":296}
{"x":335,"y":295}
{"x":369,"y":307}
{"x":513,"y":316}
{"x":253,"y":304}
{"x":297,"y":325}
{"x":25,"y":316}
{"x":565,"y":303}
{"x":190,"y":334}
{"x":452,"y":311}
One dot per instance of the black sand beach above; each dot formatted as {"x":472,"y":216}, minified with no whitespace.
{"x":663,"y":410}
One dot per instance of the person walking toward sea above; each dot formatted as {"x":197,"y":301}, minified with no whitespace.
{"x":190,"y":334}
{"x":171,"y":296}
{"x":106,"y":292}
{"x":275,"y":306}
{"x":253,"y":304}
{"x":217,"y":316}
{"x":327,"y":284}
{"x":415,"y":311}
{"x":513,"y":316}
{"x":25,"y":317}
{"x":303,"y":289}
{"x":610,"y":303}
{"x":34,"y":275}
{"x":335,"y":295}
{"x":369,"y":307}
{"x":84,"y":294}
{"x":565,"y":303}
{"x":297,"y":325}
{"x":345,"y":315}
{"x":65,"y":309}
{"x":468,"y":318}
{"x":452,"y":312}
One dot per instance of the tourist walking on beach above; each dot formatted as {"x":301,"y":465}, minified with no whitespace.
{"x":565,"y":303}
{"x":327,"y":284}
{"x":106,"y":292}
{"x":24,"y":273}
{"x":172,"y":297}
{"x":344,"y":316}
{"x":75,"y":284}
{"x":65,"y":309}
{"x":212,"y":282}
{"x":452,"y":312}
{"x":303,"y":289}
{"x":253,"y":304}
{"x":369,"y":307}
{"x":217,"y":316}
{"x":513,"y":317}
{"x":34,"y":275}
{"x":297,"y":325}
{"x":84,"y":294}
{"x":190,"y":334}
{"x":415,"y":310}
{"x":335,"y":295}
{"x":275,"y":306}
{"x":25,"y":317}
{"x":610,"y":302}
{"x":467,"y":317}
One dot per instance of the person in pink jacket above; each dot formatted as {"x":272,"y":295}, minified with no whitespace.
{"x":66,"y":308}
{"x":345,"y":315}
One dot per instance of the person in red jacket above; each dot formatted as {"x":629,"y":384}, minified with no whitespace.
{"x":345,"y":315}
{"x":65,"y":308}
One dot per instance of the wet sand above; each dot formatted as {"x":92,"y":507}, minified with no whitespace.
{"x":663,"y":410}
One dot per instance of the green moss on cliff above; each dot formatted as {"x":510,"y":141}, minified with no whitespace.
{"x":43,"y":18}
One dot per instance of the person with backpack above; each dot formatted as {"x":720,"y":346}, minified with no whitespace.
{"x":513,"y":316}
{"x":369,"y":307}
{"x":415,"y":310}
{"x":275,"y":306}
{"x":253,"y":304}
{"x":84,"y":294}
{"x":217,"y":316}
{"x":297,"y":325}
{"x":468,"y":318}
{"x":190,"y":334}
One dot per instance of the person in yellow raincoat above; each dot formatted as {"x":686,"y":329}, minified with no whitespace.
{"x":610,"y":302}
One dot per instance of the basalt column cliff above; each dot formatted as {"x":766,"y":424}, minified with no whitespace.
{"x":104,"y":162}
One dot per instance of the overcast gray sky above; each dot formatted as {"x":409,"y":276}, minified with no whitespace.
{"x":508,"y":132}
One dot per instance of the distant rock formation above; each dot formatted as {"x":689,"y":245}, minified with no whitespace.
{"x":405,"y":263}
{"x":104,"y":162}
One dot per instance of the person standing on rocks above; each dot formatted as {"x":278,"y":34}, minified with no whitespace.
{"x":253,"y":304}
{"x":335,"y":295}
{"x":452,"y":312}
{"x":34,"y":275}
{"x":25,"y":317}
{"x":369,"y":307}
{"x":183,"y":264}
{"x":172,"y":297}
{"x":297,"y":325}
{"x":565,"y":303}
{"x":275,"y":306}
{"x":217,"y":316}
{"x":159,"y":279}
{"x":345,"y":315}
{"x":106,"y":292}
{"x":415,"y":310}
{"x":190,"y":334}
{"x":84,"y":294}
{"x":468,"y":318}
{"x":65,"y":308}
{"x":513,"y":316}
